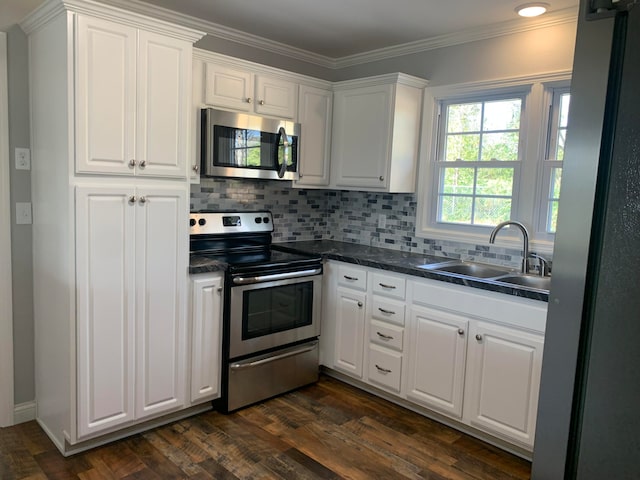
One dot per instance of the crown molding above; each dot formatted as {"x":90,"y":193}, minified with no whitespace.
{"x":110,"y":11}
{"x":225,"y":33}
{"x":560,"y":17}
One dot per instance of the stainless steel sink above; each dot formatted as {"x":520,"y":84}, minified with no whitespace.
{"x":476,"y":270}
{"x":529,"y":281}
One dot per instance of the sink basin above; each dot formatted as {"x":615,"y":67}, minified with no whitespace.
{"x":476,"y":270}
{"x":530,"y":281}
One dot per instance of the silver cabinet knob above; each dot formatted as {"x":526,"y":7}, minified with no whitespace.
{"x":249,"y":99}
{"x":142,"y":200}
{"x":479,"y":337}
{"x":381,"y":178}
{"x":460,"y":331}
{"x":196,"y":168}
{"x":219,"y":289}
{"x":300,"y":175}
{"x":360,"y":304}
{"x":132,"y":163}
{"x":132,"y":199}
{"x":143,"y":163}
{"x":261,"y":102}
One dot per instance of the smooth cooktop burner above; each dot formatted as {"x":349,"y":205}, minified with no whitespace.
{"x":240,"y":261}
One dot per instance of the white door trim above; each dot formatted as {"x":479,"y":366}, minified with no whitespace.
{"x":6,"y":307}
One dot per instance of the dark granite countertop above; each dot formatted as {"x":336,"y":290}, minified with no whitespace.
{"x":401,"y":262}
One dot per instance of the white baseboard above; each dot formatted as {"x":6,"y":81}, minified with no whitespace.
{"x":24,"y":412}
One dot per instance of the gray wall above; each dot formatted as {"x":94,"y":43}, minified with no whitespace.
{"x":541,"y":51}
{"x":24,"y":389}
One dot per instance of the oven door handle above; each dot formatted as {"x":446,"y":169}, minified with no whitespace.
{"x":306,"y":348}
{"x":275,"y":276}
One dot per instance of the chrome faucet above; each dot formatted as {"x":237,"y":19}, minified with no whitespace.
{"x":525,"y":236}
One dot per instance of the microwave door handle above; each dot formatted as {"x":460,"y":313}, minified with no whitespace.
{"x":285,"y":144}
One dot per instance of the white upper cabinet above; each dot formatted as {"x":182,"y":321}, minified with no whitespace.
{"x":314,"y":114}
{"x":376,"y":133}
{"x":232,"y":87}
{"x":132,"y":100}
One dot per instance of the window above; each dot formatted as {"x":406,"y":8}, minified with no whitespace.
{"x":558,"y":116}
{"x":477,"y":161}
{"x":496,"y":154}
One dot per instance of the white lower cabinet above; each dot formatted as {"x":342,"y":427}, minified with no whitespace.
{"x":206,"y":336}
{"x":436,"y":368}
{"x":470,"y":355}
{"x":503,"y":378}
{"x":131,"y":263}
{"x":349,"y":331}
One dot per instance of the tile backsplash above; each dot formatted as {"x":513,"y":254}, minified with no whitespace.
{"x":348,"y":216}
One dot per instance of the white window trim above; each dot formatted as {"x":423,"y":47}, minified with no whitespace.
{"x":6,"y":309}
{"x":535,"y":111}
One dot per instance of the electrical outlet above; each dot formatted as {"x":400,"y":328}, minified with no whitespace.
{"x":23,"y":159}
{"x":382,"y":221}
{"x":23,"y":213}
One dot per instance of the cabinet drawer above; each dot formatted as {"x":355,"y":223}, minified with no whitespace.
{"x":352,"y":277}
{"x":385,"y":367}
{"x":389,"y":285}
{"x":388,"y":310}
{"x":390,"y":336}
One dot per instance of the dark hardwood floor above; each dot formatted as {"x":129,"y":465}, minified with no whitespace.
{"x":326,"y":431}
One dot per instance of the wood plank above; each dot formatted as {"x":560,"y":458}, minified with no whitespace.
{"x":327,"y":431}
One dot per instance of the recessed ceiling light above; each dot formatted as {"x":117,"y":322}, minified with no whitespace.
{"x":532,"y":9}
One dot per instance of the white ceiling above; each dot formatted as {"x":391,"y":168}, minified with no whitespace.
{"x":334,"y":28}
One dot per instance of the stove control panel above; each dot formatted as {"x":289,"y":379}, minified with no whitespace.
{"x":201,"y":223}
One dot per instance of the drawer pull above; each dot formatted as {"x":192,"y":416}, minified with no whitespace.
{"x":351,"y":278}
{"x":382,"y":370}
{"x":387,"y":286}
{"x":384,"y":337}
{"x":388,"y":312}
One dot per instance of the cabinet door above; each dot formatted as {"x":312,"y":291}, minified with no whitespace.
{"x":276,"y":97}
{"x":362,"y":136}
{"x":161,"y":284}
{"x":314,"y":115}
{"x":105,"y":96}
{"x":228,"y":88}
{"x":163,"y":105}
{"x":437,"y":360}
{"x":105,"y":316}
{"x":206,"y":338}
{"x":503,"y":378}
{"x":349,"y":334}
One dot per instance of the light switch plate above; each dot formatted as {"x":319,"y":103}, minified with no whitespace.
{"x":23,"y":159}
{"x":23,"y":213}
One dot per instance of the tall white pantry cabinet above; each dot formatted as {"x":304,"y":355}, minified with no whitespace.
{"x":110,"y":99}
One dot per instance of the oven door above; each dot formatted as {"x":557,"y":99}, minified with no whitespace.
{"x":271,"y":311}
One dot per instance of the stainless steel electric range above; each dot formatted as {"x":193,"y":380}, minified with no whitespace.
{"x":271,"y":306}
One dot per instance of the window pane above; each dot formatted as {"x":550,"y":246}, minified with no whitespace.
{"x":495,"y":181}
{"x":502,"y":115}
{"x":556,"y":179}
{"x":553,"y":217}
{"x":500,"y":146}
{"x":564,"y":109}
{"x":562,"y":133}
{"x":457,"y":180}
{"x":454,"y":209}
{"x":491,"y":211}
{"x":462,"y":147}
{"x":464,"y":117}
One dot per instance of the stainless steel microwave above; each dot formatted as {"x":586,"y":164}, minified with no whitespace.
{"x":249,"y":146}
